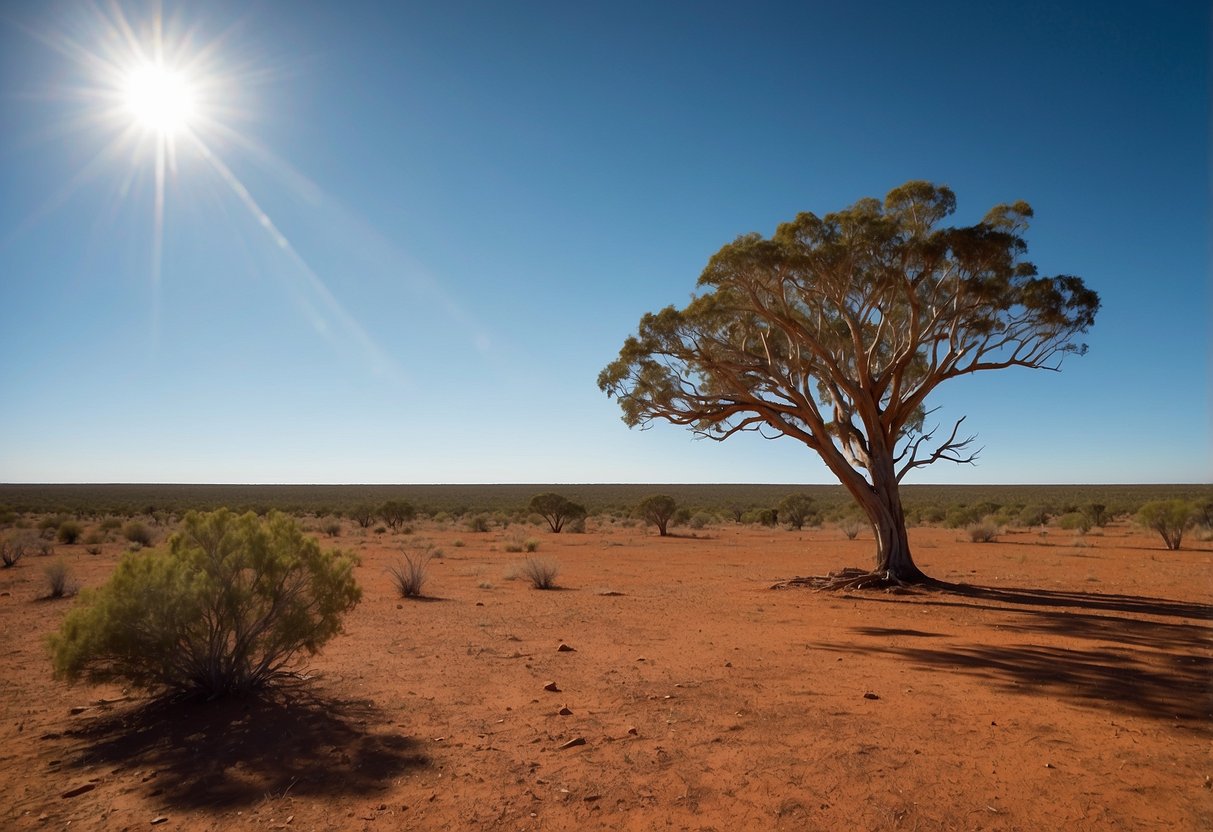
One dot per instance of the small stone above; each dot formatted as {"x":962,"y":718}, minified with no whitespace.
{"x":633,"y":731}
{"x":480,"y":603}
{"x":1048,"y":765}
{"x":565,"y":711}
{"x":382,"y":807}
{"x":870,"y":695}
{"x":159,"y":819}
{"x":573,"y":743}
{"x":79,"y":790}
{"x":728,"y":664}
{"x":79,"y":709}
{"x":590,"y":798}
{"x":400,"y":606}
{"x":564,"y":648}
{"x":640,"y":658}
{"x":552,"y":686}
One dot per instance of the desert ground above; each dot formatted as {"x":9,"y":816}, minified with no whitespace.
{"x":1063,"y":684}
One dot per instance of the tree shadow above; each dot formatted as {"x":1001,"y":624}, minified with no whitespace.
{"x":237,"y":751}
{"x":1154,"y":668}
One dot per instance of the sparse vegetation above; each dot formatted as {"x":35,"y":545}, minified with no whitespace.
{"x":136,"y":532}
{"x":541,"y":572}
{"x":58,"y":580}
{"x":796,"y":510}
{"x":11,"y":552}
{"x":478,"y":523}
{"x":850,"y":527}
{"x":227,"y":609}
{"x":1170,"y":518}
{"x":982,"y":532}
{"x":331,"y":527}
{"x":69,"y":532}
{"x":395,"y":513}
{"x":410,"y":573}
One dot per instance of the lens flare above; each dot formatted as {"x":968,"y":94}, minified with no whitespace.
{"x":159,"y":99}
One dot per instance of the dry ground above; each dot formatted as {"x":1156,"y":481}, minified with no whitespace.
{"x":1067,"y":687}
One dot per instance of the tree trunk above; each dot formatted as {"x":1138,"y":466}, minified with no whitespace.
{"x":882,"y":503}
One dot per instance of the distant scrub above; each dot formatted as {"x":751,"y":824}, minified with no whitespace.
{"x":137,"y":533}
{"x":1170,"y":518}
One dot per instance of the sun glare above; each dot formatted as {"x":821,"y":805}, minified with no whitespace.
{"x":159,"y":99}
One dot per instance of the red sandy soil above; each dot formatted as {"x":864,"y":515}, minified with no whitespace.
{"x":1065,"y":687}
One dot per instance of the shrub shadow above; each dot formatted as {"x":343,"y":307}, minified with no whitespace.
{"x":238,"y":751}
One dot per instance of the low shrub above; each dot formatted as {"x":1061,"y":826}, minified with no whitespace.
{"x":983,"y":532}
{"x":410,"y":573}
{"x":110,"y":524}
{"x":69,"y":532}
{"x":478,"y":523}
{"x":331,"y":527}
{"x":227,"y":609}
{"x":1170,"y":518}
{"x":541,"y":572}
{"x":1075,"y":521}
{"x":94,"y":538}
{"x":700,"y":520}
{"x":850,"y":527}
{"x":11,"y":552}
{"x":136,"y":532}
{"x":94,"y":549}
{"x":58,"y":580}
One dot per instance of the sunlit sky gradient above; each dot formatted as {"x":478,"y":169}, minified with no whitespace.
{"x":439,"y":221}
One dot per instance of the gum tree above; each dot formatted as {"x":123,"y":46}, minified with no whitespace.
{"x":835,"y":331}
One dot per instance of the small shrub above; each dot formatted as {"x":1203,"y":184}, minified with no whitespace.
{"x":556,"y":510}
{"x":850,"y":527}
{"x":796,"y":509}
{"x":530,"y":545}
{"x":458,"y":543}
{"x":478,"y":523}
{"x":45,"y":548}
{"x":94,"y":538}
{"x":381,"y":530}
{"x":58,"y":580}
{"x":11,"y":552}
{"x":332,"y":528}
{"x":541,"y":572}
{"x":69,"y":532}
{"x":700,"y":520}
{"x":227,"y":609}
{"x":136,"y":532}
{"x":983,"y":532}
{"x":577,"y":526}
{"x":1170,"y":518}
{"x":395,"y":513}
{"x":93,"y":549}
{"x":410,"y":574}
{"x":134,"y":546}
{"x":1075,"y":521}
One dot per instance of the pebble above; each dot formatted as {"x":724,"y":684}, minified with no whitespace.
{"x":552,"y":687}
{"x":573,"y":743}
{"x":870,"y":695}
{"x":564,"y":648}
{"x":565,"y":711}
{"x":79,"y":790}
{"x":159,"y":819}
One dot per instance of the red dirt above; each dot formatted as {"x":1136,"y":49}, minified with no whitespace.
{"x":1067,"y":686}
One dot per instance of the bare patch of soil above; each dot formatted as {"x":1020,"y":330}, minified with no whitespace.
{"x":1047,"y":684}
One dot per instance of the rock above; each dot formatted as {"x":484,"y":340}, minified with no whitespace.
{"x":79,"y":790}
{"x":564,"y":711}
{"x":79,"y":709}
{"x":633,"y":731}
{"x":870,"y":695}
{"x":573,"y":743}
{"x":728,"y":664}
{"x":159,"y":819}
{"x":480,"y":603}
{"x":590,"y":798}
{"x":552,"y":687}
{"x":564,"y":648}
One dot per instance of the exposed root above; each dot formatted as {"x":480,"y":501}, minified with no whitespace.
{"x":848,"y":579}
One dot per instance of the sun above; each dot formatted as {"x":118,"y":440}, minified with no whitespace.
{"x":159,"y":99}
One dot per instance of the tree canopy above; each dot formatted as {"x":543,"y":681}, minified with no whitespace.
{"x":835,"y":330}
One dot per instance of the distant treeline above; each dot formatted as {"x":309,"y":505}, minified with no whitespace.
{"x":458,"y":500}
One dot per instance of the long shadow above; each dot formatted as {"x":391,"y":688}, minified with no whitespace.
{"x":1160,"y":669}
{"x":238,"y":751}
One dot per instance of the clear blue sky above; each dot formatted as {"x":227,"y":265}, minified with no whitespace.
{"x":479,"y":200}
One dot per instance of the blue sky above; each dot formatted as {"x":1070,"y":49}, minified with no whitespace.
{"x":454,"y":213}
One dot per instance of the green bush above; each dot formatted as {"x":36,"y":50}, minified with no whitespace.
{"x":1170,"y":518}
{"x":136,"y":532}
{"x":478,"y":523}
{"x":556,"y":510}
{"x":1075,"y":521}
{"x":331,"y":527}
{"x":658,"y":510}
{"x":58,"y":580}
{"x":69,"y":532}
{"x":983,"y":532}
{"x":796,"y":510}
{"x":395,"y":513}
{"x":227,"y":609}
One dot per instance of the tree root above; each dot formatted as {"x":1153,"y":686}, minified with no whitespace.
{"x":848,"y":579}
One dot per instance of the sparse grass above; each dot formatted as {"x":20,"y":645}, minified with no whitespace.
{"x":517,"y":543}
{"x":410,"y":573}
{"x":10,"y":553}
{"x":458,"y":543}
{"x":59,"y":580}
{"x":541,"y":572}
{"x":484,"y":585}
{"x":94,"y":549}
{"x":331,"y":527}
{"x":983,"y":532}
{"x":850,"y":527}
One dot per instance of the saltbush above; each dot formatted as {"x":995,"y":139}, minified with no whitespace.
{"x":228,"y":608}
{"x":136,"y":532}
{"x":69,"y":532}
{"x":1170,"y":518}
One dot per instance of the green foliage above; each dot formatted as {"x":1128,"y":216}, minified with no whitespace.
{"x":478,"y":523}
{"x":227,"y":609}
{"x":1096,"y":513}
{"x":11,"y":552}
{"x":136,"y":532}
{"x":364,"y":515}
{"x":796,"y":510}
{"x":657,"y":510}
{"x":1075,"y":521}
{"x":331,"y":527}
{"x":69,"y":532}
{"x":556,"y":509}
{"x":1170,"y":518}
{"x":1034,"y":515}
{"x":395,"y":513}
